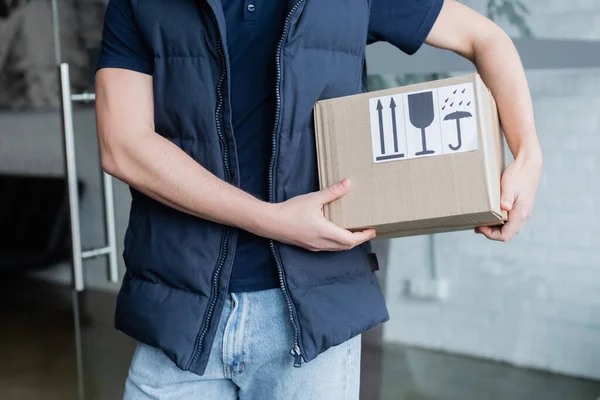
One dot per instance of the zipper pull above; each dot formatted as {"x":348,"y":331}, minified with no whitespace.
{"x":297,"y":356}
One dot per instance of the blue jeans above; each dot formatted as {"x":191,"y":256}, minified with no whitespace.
{"x":250,"y":360}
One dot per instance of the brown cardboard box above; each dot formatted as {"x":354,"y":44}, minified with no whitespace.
{"x":423,"y":158}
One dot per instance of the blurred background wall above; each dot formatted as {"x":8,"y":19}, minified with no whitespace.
{"x":27,"y":49}
{"x":31,"y":144}
{"x":30,"y":128}
{"x":535,"y":301}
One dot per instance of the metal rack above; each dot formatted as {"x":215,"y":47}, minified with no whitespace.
{"x":79,"y":255}
{"x":110,"y":249}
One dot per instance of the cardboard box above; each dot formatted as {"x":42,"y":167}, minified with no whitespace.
{"x":423,"y":158}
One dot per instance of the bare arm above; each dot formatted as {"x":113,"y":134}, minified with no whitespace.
{"x":473,"y":36}
{"x":133,"y":152}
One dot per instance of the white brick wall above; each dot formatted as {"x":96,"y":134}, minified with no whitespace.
{"x":535,"y":301}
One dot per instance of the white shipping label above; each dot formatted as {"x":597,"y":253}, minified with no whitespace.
{"x":423,"y":124}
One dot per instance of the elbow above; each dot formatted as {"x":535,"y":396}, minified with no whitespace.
{"x":499,"y":37}
{"x":495,"y":40}
{"x":110,"y":155}
{"x":109,"y":165}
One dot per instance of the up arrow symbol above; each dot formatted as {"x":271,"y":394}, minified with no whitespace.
{"x":381,"y":133}
{"x":394,"y":127}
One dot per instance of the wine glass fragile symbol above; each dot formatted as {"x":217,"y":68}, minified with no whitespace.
{"x":421,"y":114}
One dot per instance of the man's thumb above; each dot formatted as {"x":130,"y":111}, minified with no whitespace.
{"x":507,"y":198}
{"x":335,"y":191}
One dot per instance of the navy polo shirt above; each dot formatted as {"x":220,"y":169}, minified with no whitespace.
{"x":254,"y":28}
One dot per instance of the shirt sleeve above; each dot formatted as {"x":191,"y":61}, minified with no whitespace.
{"x":122,"y":46}
{"x":403,"y":23}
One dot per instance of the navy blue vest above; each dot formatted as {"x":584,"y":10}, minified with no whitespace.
{"x":178,"y":266}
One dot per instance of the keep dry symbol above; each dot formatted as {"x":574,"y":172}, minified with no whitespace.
{"x":457,"y":115}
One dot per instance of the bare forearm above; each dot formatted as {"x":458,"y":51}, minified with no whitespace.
{"x":500,"y":67}
{"x":473,"y":36}
{"x":164,"y":172}
{"x":496,"y":58}
{"x":133,"y":152}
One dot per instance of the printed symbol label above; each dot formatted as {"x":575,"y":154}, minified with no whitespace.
{"x":459,"y":124}
{"x":424,"y":124}
{"x":387,"y":127}
{"x":423,"y":131}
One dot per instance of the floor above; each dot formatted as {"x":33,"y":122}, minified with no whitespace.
{"x":36,"y":344}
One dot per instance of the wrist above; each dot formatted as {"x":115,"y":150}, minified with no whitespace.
{"x":261,"y":219}
{"x":529,"y":154}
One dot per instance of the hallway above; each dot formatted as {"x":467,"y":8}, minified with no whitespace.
{"x":36,"y":326}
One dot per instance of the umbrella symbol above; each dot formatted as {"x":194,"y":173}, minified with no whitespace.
{"x":457,"y":115}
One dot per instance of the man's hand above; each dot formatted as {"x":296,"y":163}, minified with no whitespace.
{"x":161,"y":170}
{"x":300,"y":222}
{"x":497,"y":60}
{"x":519,"y":186}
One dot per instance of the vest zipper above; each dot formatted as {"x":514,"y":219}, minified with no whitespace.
{"x":296,"y":351}
{"x":226,"y":167}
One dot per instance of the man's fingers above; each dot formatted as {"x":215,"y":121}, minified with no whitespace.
{"x":497,"y":234}
{"x":346,"y":239}
{"x":363,"y":236}
{"x":516,"y":220}
{"x":491,"y":233}
{"x":511,"y":228}
{"x":334,"y":192}
{"x":358,"y":239}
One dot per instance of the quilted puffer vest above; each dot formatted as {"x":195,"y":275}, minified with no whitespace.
{"x":178,"y":266}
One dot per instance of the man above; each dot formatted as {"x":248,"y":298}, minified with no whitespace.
{"x":234,"y":277}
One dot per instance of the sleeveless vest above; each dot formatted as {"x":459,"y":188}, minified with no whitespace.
{"x":178,"y":266}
